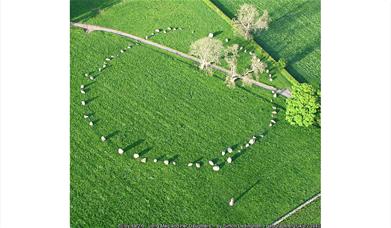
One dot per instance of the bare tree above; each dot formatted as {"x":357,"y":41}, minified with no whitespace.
{"x":208,"y":50}
{"x":257,"y":67}
{"x":249,"y":22}
{"x":231,"y":54}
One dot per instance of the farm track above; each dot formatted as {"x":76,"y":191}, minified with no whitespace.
{"x":90,"y":28}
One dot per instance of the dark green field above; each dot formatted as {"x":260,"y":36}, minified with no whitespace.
{"x":156,"y":104}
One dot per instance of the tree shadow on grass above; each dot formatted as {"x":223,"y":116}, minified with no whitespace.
{"x":222,"y":7}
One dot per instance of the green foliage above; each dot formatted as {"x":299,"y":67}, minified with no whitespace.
{"x":281,"y":64}
{"x":304,"y":105}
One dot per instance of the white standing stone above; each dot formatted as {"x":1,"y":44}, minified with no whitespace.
{"x":83,"y":103}
{"x":190,"y":164}
{"x":216,"y":168}
{"x":155,"y":160}
{"x":146,"y":37}
{"x":86,"y":74}
{"x":210,"y":35}
{"x":273,"y":121}
{"x":91,"y":123}
{"x":174,"y":163}
{"x":270,"y":125}
{"x":247,"y":145}
{"x":169,"y":28}
{"x":223,"y":153}
{"x":251,"y":142}
{"x":157,"y":30}
{"x":81,"y":86}
{"x":120,"y":151}
{"x":85,"y":116}
{"x":231,"y":202}
{"x":229,"y":150}
{"x":135,"y":156}
{"x":166,"y":162}
{"x":211,"y":163}
{"x":274,"y":112}
{"x":164,"y":31}
{"x":275,"y":95}
{"x":103,"y":138}
{"x":143,"y":160}
{"x":92,"y":77}
{"x":229,"y":160}
{"x":197,"y":165}
{"x":226,"y":40}
{"x":107,"y":59}
{"x":82,"y":91}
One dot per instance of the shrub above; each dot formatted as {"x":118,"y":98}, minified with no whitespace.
{"x":303,"y":106}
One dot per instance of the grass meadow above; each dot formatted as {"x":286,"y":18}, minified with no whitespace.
{"x":161,"y":106}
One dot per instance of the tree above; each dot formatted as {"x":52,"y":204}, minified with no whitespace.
{"x":248,"y":21}
{"x":256,"y":68}
{"x":303,"y":106}
{"x":231,"y":54}
{"x":208,"y":50}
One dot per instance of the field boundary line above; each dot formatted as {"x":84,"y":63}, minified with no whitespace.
{"x":90,"y":28}
{"x":226,"y":18}
{"x":297,"y":209}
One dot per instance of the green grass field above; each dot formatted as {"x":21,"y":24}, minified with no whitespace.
{"x":307,"y":215}
{"x":294,"y":34}
{"x":158,"y":105}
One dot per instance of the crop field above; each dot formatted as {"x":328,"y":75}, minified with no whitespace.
{"x":163,"y":107}
{"x":294,"y":34}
